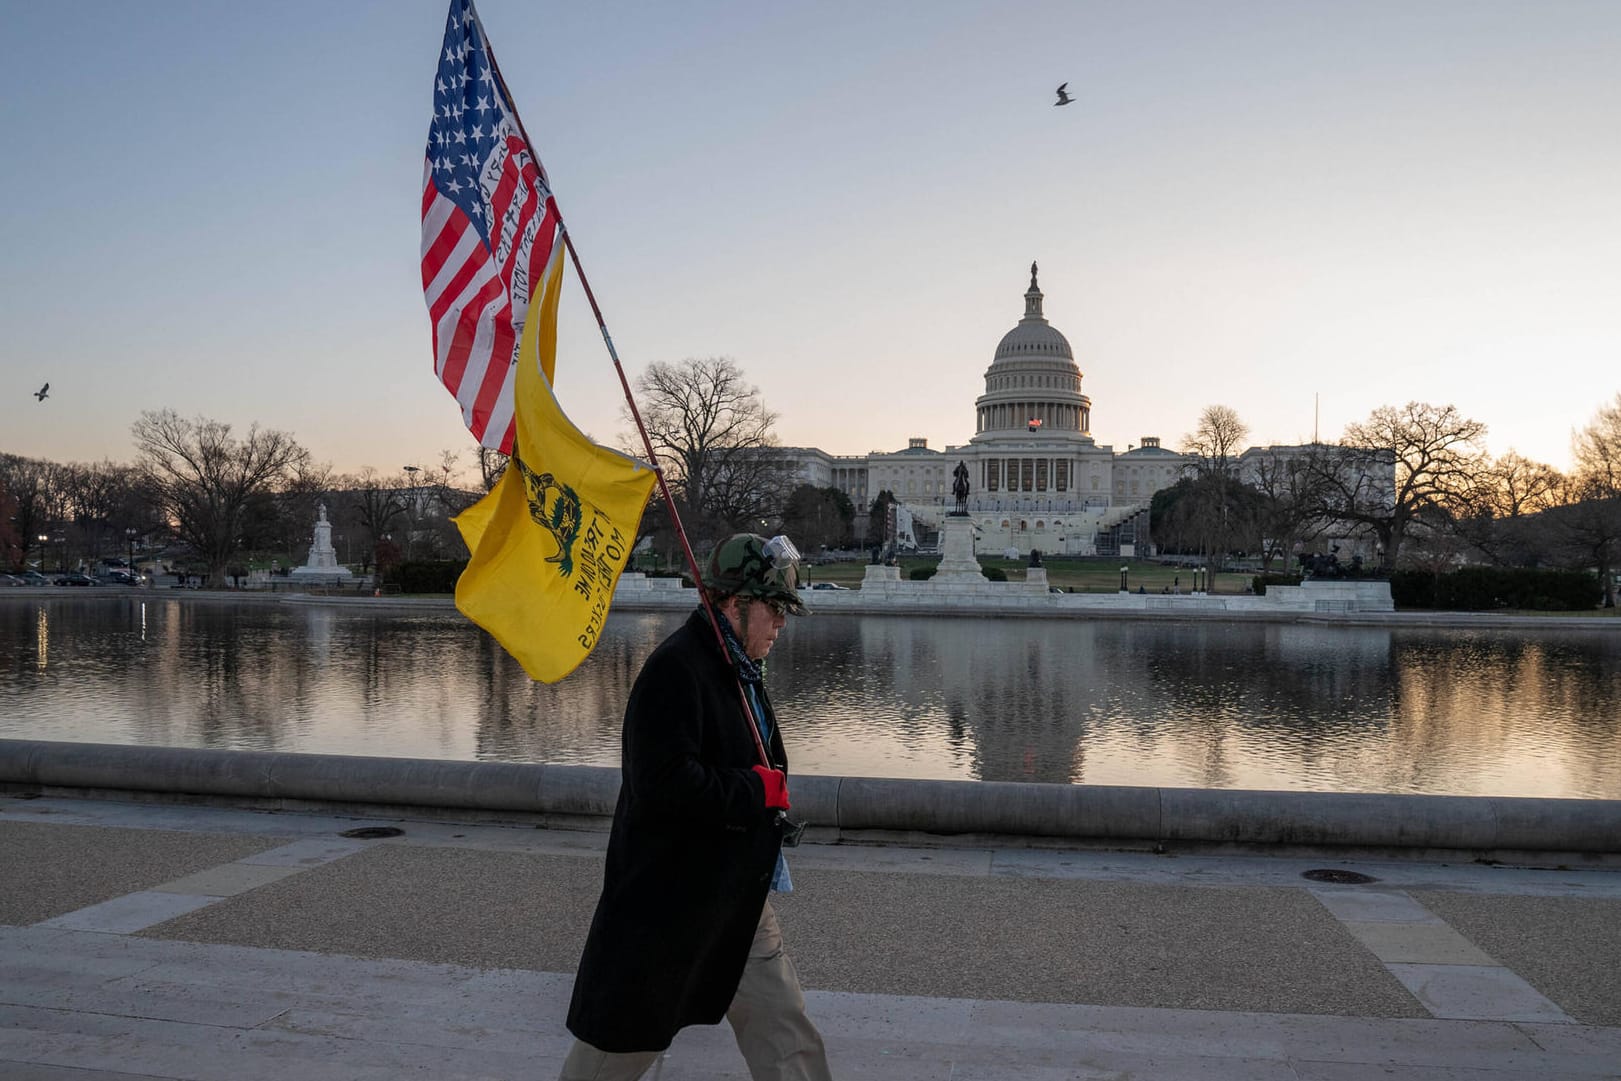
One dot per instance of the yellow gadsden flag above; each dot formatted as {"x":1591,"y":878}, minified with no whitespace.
{"x":549,"y":542}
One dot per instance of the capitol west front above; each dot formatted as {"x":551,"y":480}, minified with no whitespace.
{"x":1037,"y":478}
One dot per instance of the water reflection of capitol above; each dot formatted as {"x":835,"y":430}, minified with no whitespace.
{"x":1072,"y":701}
{"x":1037,"y":477}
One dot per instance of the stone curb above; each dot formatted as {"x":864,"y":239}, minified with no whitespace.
{"x":852,"y":808}
{"x":1078,"y":606}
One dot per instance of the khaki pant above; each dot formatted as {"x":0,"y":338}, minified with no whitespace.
{"x":767,"y":1016}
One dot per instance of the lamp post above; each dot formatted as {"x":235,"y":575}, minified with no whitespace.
{"x":1123,"y":587}
{"x":411,"y":511}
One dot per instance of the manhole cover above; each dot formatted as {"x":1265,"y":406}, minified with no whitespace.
{"x":371,"y":833}
{"x":1343,"y":878}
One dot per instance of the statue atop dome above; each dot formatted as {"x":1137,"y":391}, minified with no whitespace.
{"x":1033,"y":288}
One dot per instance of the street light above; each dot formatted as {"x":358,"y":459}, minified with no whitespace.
{"x":414,"y":509}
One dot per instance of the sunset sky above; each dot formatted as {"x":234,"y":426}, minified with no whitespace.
{"x":214,"y":208}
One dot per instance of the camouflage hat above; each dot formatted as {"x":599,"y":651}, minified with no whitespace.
{"x":750,"y":566}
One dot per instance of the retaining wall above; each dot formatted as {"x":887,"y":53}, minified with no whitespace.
{"x":847,"y":808}
{"x":884,"y":591}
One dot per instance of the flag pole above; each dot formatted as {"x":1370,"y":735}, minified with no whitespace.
{"x":630,"y":400}
{"x":658,"y":470}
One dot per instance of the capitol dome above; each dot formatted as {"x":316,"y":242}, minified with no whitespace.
{"x":1033,"y":386}
{"x":1034,"y":336}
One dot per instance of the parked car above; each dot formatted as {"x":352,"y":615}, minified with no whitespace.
{"x":11,"y":580}
{"x":827,"y":585}
{"x":33,"y":578}
{"x":120,"y":578}
{"x":74,"y":578}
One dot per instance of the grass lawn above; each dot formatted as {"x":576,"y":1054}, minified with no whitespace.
{"x":1083,"y":576}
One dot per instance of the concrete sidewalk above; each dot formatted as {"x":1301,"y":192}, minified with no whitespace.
{"x":147,"y":940}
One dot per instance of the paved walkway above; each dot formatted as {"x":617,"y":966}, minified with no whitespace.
{"x":142,"y":940}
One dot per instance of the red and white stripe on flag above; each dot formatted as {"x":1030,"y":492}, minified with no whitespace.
{"x":488,"y":226}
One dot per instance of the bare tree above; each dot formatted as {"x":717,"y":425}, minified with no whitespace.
{"x":1597,"y":449}
{"x":1288,"y":500}
{"x":1209,"y":507}
{"x":11,"y":549}
{"x":491,"y":464}
{"x":57,"y":513}
{"x":1592,"y":517}
{"x":1217,"y":439}
{"x":878,"y":519}
{"x":106,"y":506}
{"x":371,"y":506}
{"x":1502,"y":516}
{"x":1513,"y":486}
{"x":282,"y":519}
{"x":1209,"y":516}
{"x":712,"y":433}
{"x":1436,"y":458}
{"x":448,"y":460}
{"x":818,"y":517}
{"x":29,"y":481}
{"x":451,"y":497}
{"x":203,"y":478}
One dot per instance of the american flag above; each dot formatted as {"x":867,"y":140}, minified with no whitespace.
{"x":488,"y":226}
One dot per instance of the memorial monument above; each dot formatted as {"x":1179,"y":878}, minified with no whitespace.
{"x":957,"y":562}
{"x":322,"y":565}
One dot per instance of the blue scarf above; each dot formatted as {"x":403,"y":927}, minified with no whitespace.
{"x":747,"y":670}
{"x":750,"y":673}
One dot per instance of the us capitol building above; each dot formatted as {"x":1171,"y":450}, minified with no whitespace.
{"x":1037,"y":479}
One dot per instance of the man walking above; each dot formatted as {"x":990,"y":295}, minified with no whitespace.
{"x":683,"y":933}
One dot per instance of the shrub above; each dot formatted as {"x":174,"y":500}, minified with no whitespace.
{"x":426,"y":575}
{"x":1261,"y":581}
{"x":921,"y":574}
{"x":1481,"y":589}
{"x":1412,"y":589}
{"x":995,"y":574}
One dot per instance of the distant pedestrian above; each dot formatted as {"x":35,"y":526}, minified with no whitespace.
{"x":683,"y":933}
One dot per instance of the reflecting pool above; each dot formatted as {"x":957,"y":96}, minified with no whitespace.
{"x":1205,"y":705}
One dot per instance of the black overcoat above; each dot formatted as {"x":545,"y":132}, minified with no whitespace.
{"x":690,"y":857}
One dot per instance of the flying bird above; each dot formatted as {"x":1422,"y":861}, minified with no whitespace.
{"x":40,"y":394}
{"x":1063,"y":95}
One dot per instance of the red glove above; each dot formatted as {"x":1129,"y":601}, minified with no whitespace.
{"x":776,"y":787}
